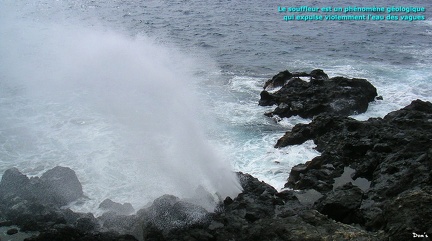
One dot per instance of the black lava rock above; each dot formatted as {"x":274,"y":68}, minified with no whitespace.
{"x":58,"y":186}
{"x":342,"y":204}
{"x":120,"y":209}
{"x":394,"y":153}
{"x":12,"y":231}
{"x":34,"y":204}
{"x":62,"y":185}
{"x":278,"y":80}
{"x":260,"y":213}
{"x":337,"y":95}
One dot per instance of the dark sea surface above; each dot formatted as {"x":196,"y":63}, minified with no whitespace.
{"x":143,"y":98}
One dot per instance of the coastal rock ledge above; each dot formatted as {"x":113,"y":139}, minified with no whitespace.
{"x":320,"y":94}
{"x":375,"y":173}
{"x":258,"y":213}
{"x":262,"y":213}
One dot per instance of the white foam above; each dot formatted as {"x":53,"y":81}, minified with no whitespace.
{"x":119,"y":110}
{"x":248,"y":137}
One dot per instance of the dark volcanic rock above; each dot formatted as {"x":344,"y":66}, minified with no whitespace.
{"x":393,"y":153}
{"x":12,"y":231}
{"x":409,"y":213}
{"x":69,"y":233}
{"x":342,"y":204}
{"x":278,"y":80}
{"x":58,"y":186}
{"x":34,"y":205}
{"x":62,"y":184}
{"x":258,"y":213}
{"x":120,"y":209}
{"x":14,"y":183}
{"x":261,"y":213}
{"x":120,"y":223}
{"x":318,"y":74}
{"x":168,"y":213}
{"x":337,"y":95}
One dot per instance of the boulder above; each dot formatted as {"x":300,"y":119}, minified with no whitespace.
{"x":58,"y":186}
{"x":337,"y":95}
{"x":169,"y":212}
{"x":12,"y":231}
{"x":120,"y":209}
{"x":278,"y":80}
{"x":61,"y":186}
{"x":342,"y":204}
{"x":14,"y":183}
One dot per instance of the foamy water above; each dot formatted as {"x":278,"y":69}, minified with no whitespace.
{"x":120,"y":111}
{"x":141,"y":103}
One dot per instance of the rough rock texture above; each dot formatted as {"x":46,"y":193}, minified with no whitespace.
{"x":34,"y":204}
{"x":342,"y":204}
{"x":258,"y":213}
{"x":62,"y":185}
{"x":58,"y":186}
{"x":169,"y":213}
{"x":261,"y":213}
{"x":393,"y":153}
{"x":282,"y":77}
{"x":337,"y":95}
{"x":30,"y":203}
{"x":117,"y":208}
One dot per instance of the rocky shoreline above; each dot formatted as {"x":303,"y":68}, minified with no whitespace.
{"x":372,"y":181}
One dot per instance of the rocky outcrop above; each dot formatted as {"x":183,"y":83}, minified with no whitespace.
{"x":262,"y":213}
{"x":35,"y":204}
{"x":61,"y":185}
{"x":342,"y":204}
{"x":58,"y":186}
{"x":337,"y":95}
{"x":282,"y":77}
{"x":117,"y":208}
{"x":393,"y":153}
{"x":168,"y":214}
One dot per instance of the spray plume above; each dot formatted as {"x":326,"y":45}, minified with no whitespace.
{"x":143,"y":90}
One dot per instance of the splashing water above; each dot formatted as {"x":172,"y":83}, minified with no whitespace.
{"x":121,"y":111}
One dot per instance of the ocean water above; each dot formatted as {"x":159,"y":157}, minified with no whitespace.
{"x":143,"y":98}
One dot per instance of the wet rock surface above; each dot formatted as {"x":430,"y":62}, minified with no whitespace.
{"x":393,"y":153}
{"x":258,"y":213}
{"x":321,"y":94}
{"x":117,"y":208}
{"x":35,"y":204}
{"x":57,"y":186}
{"x":262,"y":213}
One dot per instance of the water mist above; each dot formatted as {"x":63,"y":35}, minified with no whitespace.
{"x":121,"y":111}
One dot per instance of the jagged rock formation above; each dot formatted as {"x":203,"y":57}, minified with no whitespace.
{"x":337,"y":95}
{"x":393,"y":153}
